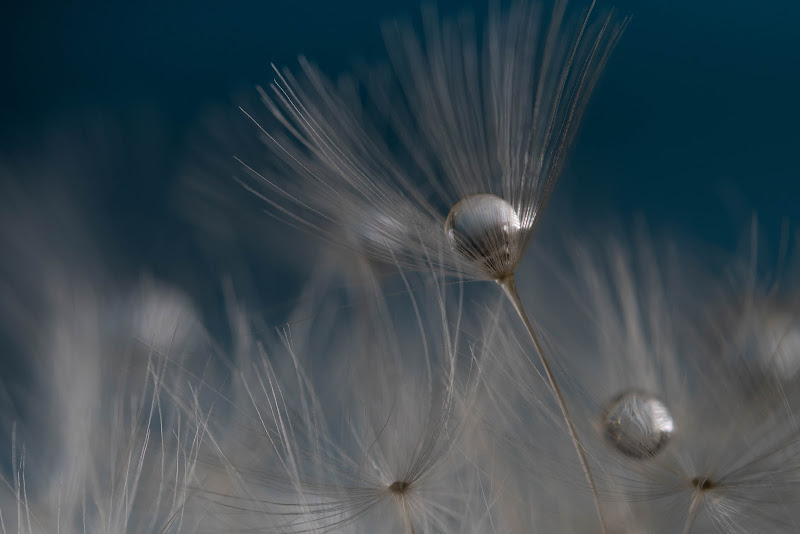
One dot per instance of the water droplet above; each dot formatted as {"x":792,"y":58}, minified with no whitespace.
{"x":486,"y":230}
{"x":637,"y":424}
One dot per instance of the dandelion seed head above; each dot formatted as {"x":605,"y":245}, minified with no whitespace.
{"x":486,"y":231}
{"x":637,"y":424}
{"x":456,"y":119}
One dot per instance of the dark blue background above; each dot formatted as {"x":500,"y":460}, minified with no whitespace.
{"x":694,"y":124}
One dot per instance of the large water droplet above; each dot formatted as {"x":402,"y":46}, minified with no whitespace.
{"x":637,"y":424}
{"x":486,"y":230}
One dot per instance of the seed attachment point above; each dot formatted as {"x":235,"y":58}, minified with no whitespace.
{"x":399,"y":487}
{"x":703,"y":483}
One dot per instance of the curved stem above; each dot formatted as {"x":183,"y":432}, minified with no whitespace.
{"x":510,"y":290}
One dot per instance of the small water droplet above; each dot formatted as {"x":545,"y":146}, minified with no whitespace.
{"x":638,"y":424}
{"x":486,"y":230}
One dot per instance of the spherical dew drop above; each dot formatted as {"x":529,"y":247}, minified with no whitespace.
{"x":637,"y":424}
{"x":486,"y":231}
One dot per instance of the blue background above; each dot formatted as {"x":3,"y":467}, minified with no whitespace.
{"x":694,"y":124}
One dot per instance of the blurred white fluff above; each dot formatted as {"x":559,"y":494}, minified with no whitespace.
{"x":636,"y":318}
{"x":422,"y":410}
{"x":407,"y":406}
{"x":351,"y":421}
{"x":95,"y":442}
{"x":768,"y":334}
{"x":106,"y":449}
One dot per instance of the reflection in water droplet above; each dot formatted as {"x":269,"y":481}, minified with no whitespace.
{"x":486,"y":230}
{"x":637,"y":424}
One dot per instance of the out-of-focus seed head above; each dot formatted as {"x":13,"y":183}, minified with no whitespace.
{"x":778,"y":341}
{"x":703,"y":484}
{"x":637,"y":424}
{"x":398,"y":487}
{"x":486,"y":231}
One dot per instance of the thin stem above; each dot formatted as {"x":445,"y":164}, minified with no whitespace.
{"x":693,"y":509}
{"x":510,"y":289}
{"x":407,"y":514}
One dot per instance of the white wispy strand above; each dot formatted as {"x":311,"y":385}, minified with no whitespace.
{"x":456,"y":117}
{"x":352,"y":422}
{"x":109,"y":451}
{"x":96,"y":442}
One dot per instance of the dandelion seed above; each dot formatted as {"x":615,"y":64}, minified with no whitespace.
{"x":368,"y":444}
{"x":488,"y":118}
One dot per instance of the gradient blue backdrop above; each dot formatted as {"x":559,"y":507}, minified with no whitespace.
{"x":694,"y":124}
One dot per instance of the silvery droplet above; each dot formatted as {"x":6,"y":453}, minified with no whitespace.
{"x":637,"y":424}
{"x":486,"y":230}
